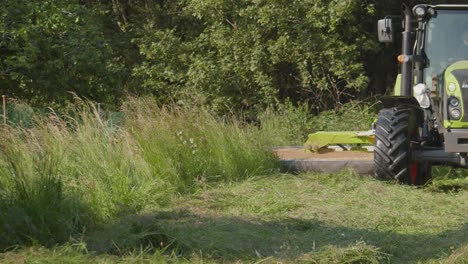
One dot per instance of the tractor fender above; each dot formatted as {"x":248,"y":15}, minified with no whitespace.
{"x":404,"y":101}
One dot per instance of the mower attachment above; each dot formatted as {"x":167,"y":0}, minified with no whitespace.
{"x":321,"y":140}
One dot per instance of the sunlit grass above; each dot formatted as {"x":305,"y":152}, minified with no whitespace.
{"x":295,"y":218}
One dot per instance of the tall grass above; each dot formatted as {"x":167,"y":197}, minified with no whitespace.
{"x":190,"y":147}
{"x":33,"y":204}
{"x":66,"y":175}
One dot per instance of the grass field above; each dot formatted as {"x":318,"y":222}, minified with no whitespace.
{"x":318,"y":217}
{"x":307,"y":218}
{"x":171,"y":185}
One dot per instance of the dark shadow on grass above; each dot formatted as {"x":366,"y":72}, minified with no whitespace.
{"x":35,"y":207}
{"x":231,"y":238}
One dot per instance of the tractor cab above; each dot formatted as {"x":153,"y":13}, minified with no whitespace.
{"x":434,"y":59}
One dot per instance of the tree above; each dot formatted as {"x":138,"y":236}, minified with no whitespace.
{"x":50,"y":48}
{"x":245,"y":54}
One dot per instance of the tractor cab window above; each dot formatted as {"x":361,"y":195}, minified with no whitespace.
{"x":446,"y":43}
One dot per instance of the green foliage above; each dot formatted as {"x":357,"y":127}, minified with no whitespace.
{"x":286,"y":125}
{"x":240,"y":55}
{"x":353,"y":116}
{"x":291,"y":125}
{"x":235,"y":57}
{"x":165,"y":78}
{"x":50,"y":48}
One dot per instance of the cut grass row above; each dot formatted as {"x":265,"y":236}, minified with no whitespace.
{"x":295,"y":217}
{"x":308,"y":218}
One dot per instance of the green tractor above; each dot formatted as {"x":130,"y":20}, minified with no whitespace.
{"x":425,"y":122}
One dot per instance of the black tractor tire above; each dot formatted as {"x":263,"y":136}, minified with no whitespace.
{"x":395,"y":129}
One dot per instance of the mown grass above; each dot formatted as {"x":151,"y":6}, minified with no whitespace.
{"x":307,"y":218}
{"x":180,"y":185}
{"x":292,"y":218}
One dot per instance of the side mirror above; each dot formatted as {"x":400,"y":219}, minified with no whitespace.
{"x":385,"y":30}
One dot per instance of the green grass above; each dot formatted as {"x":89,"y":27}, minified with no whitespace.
{"x":75,"y":254}
{"x":307,"y":218}
{"x":291,"y":218}
{"x":68,"y":175}
{"x":291,"y":125}
{"x":180,"y":185}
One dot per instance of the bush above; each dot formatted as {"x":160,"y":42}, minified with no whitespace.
{"x":353,"y":116}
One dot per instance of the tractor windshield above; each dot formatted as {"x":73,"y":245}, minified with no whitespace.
{"x":446,"y":43}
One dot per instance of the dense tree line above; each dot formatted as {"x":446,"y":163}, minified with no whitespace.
{"x":230,"y":55}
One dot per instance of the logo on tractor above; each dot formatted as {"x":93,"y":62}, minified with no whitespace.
{"x":465,"y":84}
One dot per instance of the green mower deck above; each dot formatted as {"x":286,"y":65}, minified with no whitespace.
{"x":320,"y":140}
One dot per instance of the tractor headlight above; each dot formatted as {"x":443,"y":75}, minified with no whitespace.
{"x":452,"y":87}
{"x":453,"y":101}
{"x":420,"y":11}
{"x":455,"y":114}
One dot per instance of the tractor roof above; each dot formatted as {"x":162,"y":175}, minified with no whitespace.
{"x":438,"y":7}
